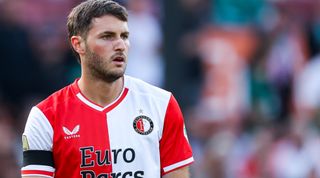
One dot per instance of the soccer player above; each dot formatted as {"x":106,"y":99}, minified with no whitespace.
{"x":105,"y":124}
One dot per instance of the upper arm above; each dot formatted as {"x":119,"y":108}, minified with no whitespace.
{"x":175,"y":150}
{"x":179,"y":173}
{"x":37,"y":146}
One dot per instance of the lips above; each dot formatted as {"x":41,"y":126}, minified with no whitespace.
{"x":119,"y":59}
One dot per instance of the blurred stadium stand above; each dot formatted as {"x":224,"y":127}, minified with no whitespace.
{"x":244,"y":71}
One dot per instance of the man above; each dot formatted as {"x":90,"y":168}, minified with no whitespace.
{"x":105,"y":124}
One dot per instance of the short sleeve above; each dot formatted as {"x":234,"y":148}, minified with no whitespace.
{"x":37,"y":145}
{"x":175,"y":150}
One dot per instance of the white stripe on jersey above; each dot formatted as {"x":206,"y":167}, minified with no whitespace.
{"x":38,"y":131}
{"x":83,"y":99}
{"x":96,"y":107}
{"x":38,"y":167}
{"x":178,"y":164}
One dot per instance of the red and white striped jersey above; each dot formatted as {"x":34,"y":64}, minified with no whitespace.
{"x":140,"y":135}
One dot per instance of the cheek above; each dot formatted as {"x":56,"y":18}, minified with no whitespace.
{"x":102,"y":48}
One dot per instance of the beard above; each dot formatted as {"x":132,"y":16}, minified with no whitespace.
{"x":99,"y":70}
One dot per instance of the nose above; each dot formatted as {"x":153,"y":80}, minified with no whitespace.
{"x":119,"y":45}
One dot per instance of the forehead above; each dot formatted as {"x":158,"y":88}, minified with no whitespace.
{"x":108,"y":23}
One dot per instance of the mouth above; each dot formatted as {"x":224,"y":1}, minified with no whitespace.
{"x":119,"y":59}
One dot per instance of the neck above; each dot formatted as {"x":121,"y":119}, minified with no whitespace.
{"x":100,"y":92}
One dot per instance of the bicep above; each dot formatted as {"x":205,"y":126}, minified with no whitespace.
{"x":37,"y":146}
{"x":179,"y":173}
{"x":175,"y":150}
{"x":38,"y":133}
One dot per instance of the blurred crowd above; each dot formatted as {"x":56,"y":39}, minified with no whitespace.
{"x":243,"y":71}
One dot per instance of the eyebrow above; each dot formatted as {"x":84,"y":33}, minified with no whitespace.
{"x":126,"y":33}
{"x":113,"y":33}
{"x":107,"y":33}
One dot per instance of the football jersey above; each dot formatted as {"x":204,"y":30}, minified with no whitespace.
{"x":139,"y":135}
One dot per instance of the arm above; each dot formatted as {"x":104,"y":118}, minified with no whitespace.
{"x":37,"y":146}
{"x":175,"y":150}
{"x":179,"y":173}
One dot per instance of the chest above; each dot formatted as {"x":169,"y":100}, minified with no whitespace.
{"x":120,"y":136}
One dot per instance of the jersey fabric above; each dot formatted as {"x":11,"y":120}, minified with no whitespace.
{"x":140,"y":135}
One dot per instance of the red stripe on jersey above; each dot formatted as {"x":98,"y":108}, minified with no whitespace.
{"x":32,"y":172}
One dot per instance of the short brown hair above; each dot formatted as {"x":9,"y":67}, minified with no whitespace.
{"x":80,"y":18}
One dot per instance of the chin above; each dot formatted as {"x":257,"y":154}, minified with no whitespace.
{"x":112,"y":77}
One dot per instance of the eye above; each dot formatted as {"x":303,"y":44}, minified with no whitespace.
{"x":125,"y":36}
{"x":107,"y":37}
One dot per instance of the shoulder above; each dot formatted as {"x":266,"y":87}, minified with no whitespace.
{"x":140,"y":87}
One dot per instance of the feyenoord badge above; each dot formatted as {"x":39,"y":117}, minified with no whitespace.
{"x":143,"y":125}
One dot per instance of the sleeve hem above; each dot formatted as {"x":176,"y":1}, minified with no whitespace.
{"x":38,"y":170}
{"x":177,"y":165}
{"x":27,"y":173}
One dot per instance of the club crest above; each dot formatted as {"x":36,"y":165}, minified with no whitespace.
{"x":143,"y":125}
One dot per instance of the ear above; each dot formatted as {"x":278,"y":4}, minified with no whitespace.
{"x":78,"y":44}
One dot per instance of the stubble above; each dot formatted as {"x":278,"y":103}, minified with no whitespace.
{"x":98,"y":67}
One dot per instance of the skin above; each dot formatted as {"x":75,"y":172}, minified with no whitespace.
{"x":102,"y":75}
{"x":179,"y":173}
{"x":103,"y":56}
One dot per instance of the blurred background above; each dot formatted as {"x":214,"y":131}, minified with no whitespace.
{"x":245,"y":72}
